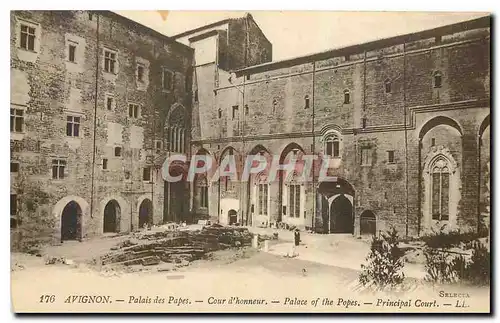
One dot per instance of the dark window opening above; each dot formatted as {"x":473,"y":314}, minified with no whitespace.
{"x":14,"y":167}
{"x":90,"y":16}
{"x":390,"y":156}
{"x":140,"y":73}
{"x":235,"y":111}
{"x":109,"y":103}
{"x":71,"y":54}
{"x":347,"y":97}
{"x":146,"y":174}
{"x":105,"y":163}
{"x":73,"y":126}
{"x":246,"y":109}
{"x":433,"y":142}
{"x":388,"y":86}
{"x":28,"y":37}
{"x":248,"y":77}
{"x":16,"y":120}
{"x":118,"y":151}
{"x":437,"y":79}
{"x":109,"y":61}
{"x":363,"y":123}
{"x":167,"y":80}
{"x":13,"y":204}
{"x":306,"y":99}
{"x":58,"y":167}
{"x":195,"y":95}
{"x":133,"y":110}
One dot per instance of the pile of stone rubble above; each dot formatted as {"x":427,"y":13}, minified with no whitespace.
{"x":175,"y":246}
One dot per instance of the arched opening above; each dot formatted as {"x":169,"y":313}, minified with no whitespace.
{"x":145,"y":213}
{"x":484,"y":176}
{"x":175,"y":129}
{"x":112,"y":213}
{"x":440,"y":155}
{"x":335,"y":204}
{"x":292,"y":151}
{"x":232,"y":215}
{"x":258,"y":190}
{"x":341,"y":215}
{"x":368,"y":223}
{"x":71,"y":221}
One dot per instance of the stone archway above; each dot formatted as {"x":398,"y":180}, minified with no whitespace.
{"x":335,"y":211}
{"x":368,"y":223}
{"x":145,"y":213}
{"x":71,"y":223}
{"x":112,"y":216}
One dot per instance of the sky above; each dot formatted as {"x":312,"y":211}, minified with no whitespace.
{"x":298,"y":33}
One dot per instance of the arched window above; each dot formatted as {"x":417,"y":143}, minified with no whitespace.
{"x":175,"y":131}
{"x":440,"y":189}
{"x":437,"y":79}
{"x":332,"y":145}
{"x":388,"y":86}
{"x":347,"y":97}
{"x":294,"y":196}
{"x":306,"y":102}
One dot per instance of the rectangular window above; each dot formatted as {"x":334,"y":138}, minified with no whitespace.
{"x":158,"y":145}
{"x":140,"y":73}
{"x":204,"y":196}
{"x":16,"y":120}
{"x":133,"y":110}
{"x":71,"y":54}
{"x":440,"y":196}
{"x":263,"y":194}
{"x":294,"y":200}
{"x":146,"y":174}
{"x":105,"y":163}
{"x":167,"y":80}
{"x":28,"y":37}
{"x":109,"y":61}
{"x":58,"y":166}
{"x":118,"y":151}
{"x":14,"y":167}
{"x":73,"y":126}
{"x":235,"y":111}
{"x":13,"y":204}
{"x":390,"y":156}
{"x":366,"y":156}
{"x":336,"y":149}
{"x":195,"y":95}
{"x":110,"y":103}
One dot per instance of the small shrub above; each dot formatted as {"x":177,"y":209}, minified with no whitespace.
{"x":449,"y":239}
{"x":439,"y":266}
{"x":478,"y":270}
{"x":385,"y":262}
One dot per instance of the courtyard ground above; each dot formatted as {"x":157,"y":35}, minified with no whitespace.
{"x":326,"y":268}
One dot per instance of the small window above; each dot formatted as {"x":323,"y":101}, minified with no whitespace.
{"x":16,"y":120}
{"x":105,"y":163}
{"x":219,"y":113}
{"x":90,"y":16}
{"x":388,"y":86}
{"x":140,"y":73}
{"x":110,"y":61}
{"x":306,"y":102}
{"x":14,"y":167}
{"x":347,"y":97}
{"x":246,"y":109}
{"x":110,"y":103}
{"x":71,"y":54}
{"x":275,"y":104}
{"x":390,"y":156}
{"x":167,"y":80}
{"x":363,"y":123}
{"x":146,"y":174}
{"x":433,"y":142}
{"x":72,"y":126}
{"x":366,"y":156}
{"x":28,"y":35}
{"x":437,"y":79}
{"x":58,"y":167}
{"x":195,"y":95}
{"x":235,"y":111}
{"x":133,"y":110}
{"x":118,"y":151}
{"x":13,"y":204}
{"x":248,"y":77}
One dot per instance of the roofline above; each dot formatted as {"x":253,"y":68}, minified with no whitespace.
{"x":477,"y":23}
{"x":146,"y":29}
{"x":191,"y":31}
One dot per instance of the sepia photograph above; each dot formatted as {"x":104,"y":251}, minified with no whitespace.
{"x":250,"y":161}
